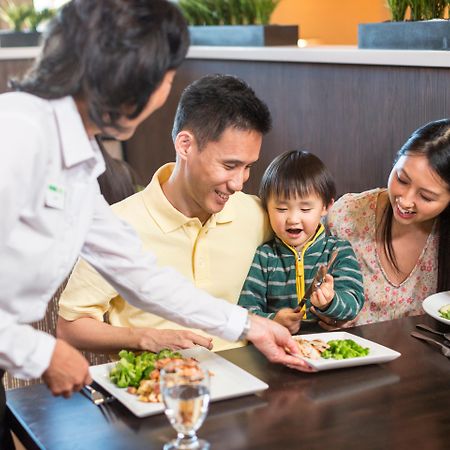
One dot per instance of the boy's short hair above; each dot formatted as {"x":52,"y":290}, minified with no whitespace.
{"x":297,"y":172}
{"x":217,"y":102}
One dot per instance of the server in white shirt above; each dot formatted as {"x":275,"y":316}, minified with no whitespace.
{"x":105,"y":67}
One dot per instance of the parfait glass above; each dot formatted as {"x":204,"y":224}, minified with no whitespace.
{"x":185,"y":392}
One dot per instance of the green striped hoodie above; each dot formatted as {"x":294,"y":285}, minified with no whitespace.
{"x":279,"y":277}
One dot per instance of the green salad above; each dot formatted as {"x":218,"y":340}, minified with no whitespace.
{"x":343,"y":349}
{"x":445,"y":312}
{"x":134,"y":367}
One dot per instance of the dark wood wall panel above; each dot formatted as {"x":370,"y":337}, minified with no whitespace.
{"x":354,"y":117}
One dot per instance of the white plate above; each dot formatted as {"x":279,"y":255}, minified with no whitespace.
{"x":432,"y":304}
{"x":377,"y":353}
{"x":228,"y":381}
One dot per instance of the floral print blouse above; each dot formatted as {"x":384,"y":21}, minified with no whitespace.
{"x":352,"y":217}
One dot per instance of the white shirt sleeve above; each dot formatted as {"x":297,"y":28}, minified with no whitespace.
{"x":24,"y":351}
{"x":114,"y":249}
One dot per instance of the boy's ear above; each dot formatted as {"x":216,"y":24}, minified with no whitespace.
{"x":183,"y":143}
{"x":327,"y":208}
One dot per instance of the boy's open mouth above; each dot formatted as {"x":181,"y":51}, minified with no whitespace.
{"x":294,"y":231}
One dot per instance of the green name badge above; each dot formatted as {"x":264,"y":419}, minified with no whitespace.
{"x":54,"y":197}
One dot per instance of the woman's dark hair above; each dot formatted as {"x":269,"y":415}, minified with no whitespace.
{"x":112,"y":54}
{"x":119,"y":180}
{"x":297,"y":172}
{"x":433,"y":141}
{"x":214,"y":103}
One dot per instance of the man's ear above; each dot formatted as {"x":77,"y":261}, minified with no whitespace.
{"x":184,"y":143}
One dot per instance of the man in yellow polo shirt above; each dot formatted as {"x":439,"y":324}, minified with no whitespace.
{"x":192,"y":215}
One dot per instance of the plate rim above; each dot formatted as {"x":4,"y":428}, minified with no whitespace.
{"x":330,"y":364}
{"x":435,"y":314}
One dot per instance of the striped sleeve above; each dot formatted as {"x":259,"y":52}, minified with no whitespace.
{"x":254,"y":291}
{"x":348,"y":285}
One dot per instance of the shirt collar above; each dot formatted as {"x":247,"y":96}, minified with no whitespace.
{"x":168,"y":217}
{"x":76,"y":147}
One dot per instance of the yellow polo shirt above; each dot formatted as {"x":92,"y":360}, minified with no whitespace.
{"x":215,"y":256}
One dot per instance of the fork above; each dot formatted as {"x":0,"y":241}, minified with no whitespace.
{"x":445,"y":350}
{"x":431,"y":330}
{"x":100,"y":400}
{"x":324,"y":269}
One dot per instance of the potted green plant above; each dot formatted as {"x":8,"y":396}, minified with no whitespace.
{"x":23,"y":20}
{"x":425,"y":30}
{"x":236,"y":23}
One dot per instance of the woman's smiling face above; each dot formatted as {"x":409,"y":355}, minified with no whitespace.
{"x":416,"y":192}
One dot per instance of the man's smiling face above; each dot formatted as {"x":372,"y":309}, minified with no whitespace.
{"x":218,"y":170}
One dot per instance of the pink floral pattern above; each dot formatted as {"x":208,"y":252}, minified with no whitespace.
{"x":353,"y":218}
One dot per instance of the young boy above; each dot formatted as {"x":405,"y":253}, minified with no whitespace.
{"x":297,"y":190}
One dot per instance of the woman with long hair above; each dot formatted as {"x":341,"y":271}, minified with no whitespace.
{"x":401,"y":234}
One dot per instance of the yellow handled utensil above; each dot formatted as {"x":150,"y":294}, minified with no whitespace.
{"x":318,"y":280}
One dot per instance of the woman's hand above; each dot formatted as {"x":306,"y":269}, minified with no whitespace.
{"x":329,"y":324}
{"x":289,"y":319}
{"x":154,"y":340}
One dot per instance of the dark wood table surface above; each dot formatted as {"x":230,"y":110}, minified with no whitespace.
{"x":403,"y":404}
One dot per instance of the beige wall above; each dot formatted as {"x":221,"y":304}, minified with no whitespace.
{"x":331,"y":22}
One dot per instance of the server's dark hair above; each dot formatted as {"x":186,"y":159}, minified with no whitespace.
{"x":214,"y":103}
{"x":113,"y":54}
{"x":433,"y":141}
{"x":297,"y":172}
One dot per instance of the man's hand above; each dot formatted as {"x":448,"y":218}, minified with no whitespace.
{"x":154,"y":340}
{"x":323,"y":295}
{"x":289,"y":319}
{"x":68,"y":371}
{"x":275,"y":342}
{"x":329,"y":324}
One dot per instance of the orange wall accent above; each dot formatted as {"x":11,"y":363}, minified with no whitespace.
{"x":330,"y":22}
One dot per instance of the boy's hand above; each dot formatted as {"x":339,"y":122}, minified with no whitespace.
{"x":289,"y":319}
{"x":324,"y":294}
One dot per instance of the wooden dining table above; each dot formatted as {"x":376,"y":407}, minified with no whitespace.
{"x":403,"y":404}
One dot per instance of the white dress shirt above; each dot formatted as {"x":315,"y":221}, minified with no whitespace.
{"x":52,"y":212}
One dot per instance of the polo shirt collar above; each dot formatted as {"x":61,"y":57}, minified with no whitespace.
{"x":168,"y":217}
{"x":227,"y":214}
{"x":76,"y":147}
